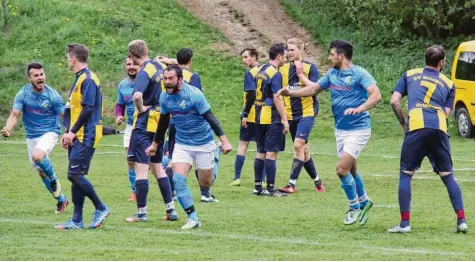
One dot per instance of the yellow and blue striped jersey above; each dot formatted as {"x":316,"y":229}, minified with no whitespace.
{"x":250,"y":85}
{"x":149,"y":83}
{"x":191,"y":78}
{"x":429,"y":93}
{"x":299,"y":107}
{"x":86,"y":91}
{"x":268,"y":83}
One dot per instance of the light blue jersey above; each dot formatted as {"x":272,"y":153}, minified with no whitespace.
{"x":41,"y":112}
{"x":348,"y":90}
{"x":187,"y":108}
{"x":124,"y":97}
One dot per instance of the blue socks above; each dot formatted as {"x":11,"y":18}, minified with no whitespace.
{"x":405,"y":198}
{"x":359,"y":184}
{"x":239,"y":162}
{"x":456,"y":197}
{"x":47,"y":168}
{"x":217,"y":161}
{"x":165,"y":190}
{"x":270,"y":166}
{"x":132,"y":179}
{"x":142,"y":189}
{"x":205,"y":191}
{"x":170,"y":175}
{"x":78,"y":197}
{"x":184,"y":196}
{"x":311,"y":169}
{"x":47,"y":183}
{"x":295,"y":171}
{"x":259,"y":168}
{"x":348,"y":184}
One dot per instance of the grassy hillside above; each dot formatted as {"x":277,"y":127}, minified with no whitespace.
{"x":386,"y":64}
{"x":40,"y":30}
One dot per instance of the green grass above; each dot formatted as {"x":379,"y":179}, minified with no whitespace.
{"x":305,"y":226}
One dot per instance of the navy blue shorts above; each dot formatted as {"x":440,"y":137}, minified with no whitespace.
{"x":79,"y":158}
{"x":270,"y":138}
{"x":432,"y":143}
{"x":140,"y":141}
{"x":301,"y":128}
{"x":249,"y":133}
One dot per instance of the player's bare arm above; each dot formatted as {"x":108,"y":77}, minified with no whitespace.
{"x":279,"y":103}
{"x":216,"y":127}
{"x":139,"y":102}
{"x":395,"y":101}
{"x":11,"y":123}
{"x":374,"y":98}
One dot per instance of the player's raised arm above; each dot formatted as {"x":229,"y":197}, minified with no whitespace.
{"x":310,"y":88}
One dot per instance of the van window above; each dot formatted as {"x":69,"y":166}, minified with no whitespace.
{"x":465,"y":66}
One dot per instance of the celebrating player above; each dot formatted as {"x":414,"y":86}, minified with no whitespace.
{"x":194,"y":140}
{"x":42,"y":107}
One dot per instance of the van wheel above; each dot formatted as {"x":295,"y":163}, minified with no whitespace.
{"x":465,"y":128}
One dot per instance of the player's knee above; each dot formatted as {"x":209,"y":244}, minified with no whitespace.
{"x":242,"y":146}
{"x":37,"y":156}
{"x":180,"y":184}
{"x":206,"y":182}
{"x":443,"y":174}
{"x":261,"y":156}
{"x":299,"y":148}
{"x":131,"y":164}
{"x":271,"y":155}
{"x":342,"y":171}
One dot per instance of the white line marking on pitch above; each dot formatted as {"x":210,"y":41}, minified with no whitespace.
{"x":248,"y":238}
{"x":252,"y":150}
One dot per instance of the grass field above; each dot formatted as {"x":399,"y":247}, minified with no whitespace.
{"x":304,"y":226}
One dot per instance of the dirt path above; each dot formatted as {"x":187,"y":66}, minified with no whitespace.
{"x":256,"y":23}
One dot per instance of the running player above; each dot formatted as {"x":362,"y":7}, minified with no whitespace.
{"x":42,"y":108}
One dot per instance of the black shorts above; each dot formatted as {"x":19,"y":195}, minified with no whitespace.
{"x":79,"y":158}
{"x":270,"y":138}
{"x":140,"y":141}
{"x":432,"y":143}
{"x":301,"y":128}
{"x":249,"y":133}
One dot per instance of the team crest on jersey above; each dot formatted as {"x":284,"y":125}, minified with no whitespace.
{"x":348,"y":79}
{"x":183,"y":104}
{"x":45,"y":104}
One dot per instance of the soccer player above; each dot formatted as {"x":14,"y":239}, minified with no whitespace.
{"x":42,"y":107}
{"x":194,"y":139}
{"x":184,"y":60}
{"x":430,"y":100}
{"x":248,"y":115}
{"x":126,"y":104}
{"x":271,"y":120}
{"x":146,"y":94}
{"x":83,"y":124}
{"x":353,"y":92}
{"x":301,"y":113}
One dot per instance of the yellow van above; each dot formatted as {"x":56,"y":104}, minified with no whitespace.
{"x":462,"y":75}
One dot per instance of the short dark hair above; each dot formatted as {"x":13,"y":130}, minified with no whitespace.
{"x":80,"y":51}
{"x":343,"y":47}
{"x":434,"y":54}
{"x":251,"y":50}
{"x":34,"y":65}
{"x":184,"y":55}
{"x":277,"y":49}
{"x":176,"y":68}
